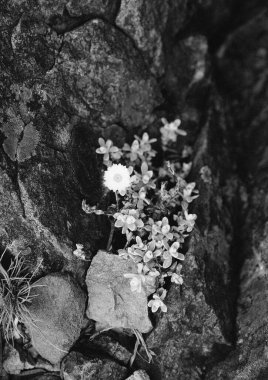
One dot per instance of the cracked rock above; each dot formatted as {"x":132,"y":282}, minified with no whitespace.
{"x":145,"y":22}
{"x":104,"y":76}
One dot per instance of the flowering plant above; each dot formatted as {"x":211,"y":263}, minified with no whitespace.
{"x":151,"y":209}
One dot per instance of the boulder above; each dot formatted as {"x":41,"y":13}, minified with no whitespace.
{"x":56,"y":316}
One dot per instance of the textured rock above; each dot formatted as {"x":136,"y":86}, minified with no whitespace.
{"x":139,"y":375}
{"x":51,"y":10}
{"x":77,"y":367}
{"x":197,"y":330}
{"x":245,"y":83}
{"x":57,"y":312}
{"x":110,"y":299}
{"x":145,"y":22}
{"x":104,"y":68}
{"x":194,"y":66}
{"x":105,"y":76}
{"x":46,"y":376}
{"x":107,"y":344}
{"x":96,"y":8}
{"x":12,"y":362}
{"x":39,"y":149}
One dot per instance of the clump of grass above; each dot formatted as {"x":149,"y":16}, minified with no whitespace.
{"x":15,"y":297}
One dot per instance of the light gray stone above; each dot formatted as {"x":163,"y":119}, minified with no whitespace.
{"x":139,"y":375}
{"x":111,"y":301}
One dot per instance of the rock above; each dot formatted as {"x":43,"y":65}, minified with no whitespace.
{"x":245,"y":85}
{"x":37,"y":375}
{"x":39,"y":136}
{"x":65,"y":15}
{"x":57,"y":311}
{"x":46,"y":376}
{"x":76,"y":366}
{"x":189,"y":326}
{"x":139,"y":375}
{"x":110,"y":299}
{"x":145,"y":22}
{"x":105,"y":76}
{"x":12,"y":362}
{"x":192,"y":53}
{"x":107,"y":344}
{"x":196,"y":332}
{"x":93,"y":8}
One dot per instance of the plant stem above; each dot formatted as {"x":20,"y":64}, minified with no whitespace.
{"x":110,"y":236}
{"x":117,"y":201}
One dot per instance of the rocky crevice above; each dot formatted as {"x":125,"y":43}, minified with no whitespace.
{"x":197,"y":62}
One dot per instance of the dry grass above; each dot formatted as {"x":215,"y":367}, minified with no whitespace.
{"x":15,"y":289}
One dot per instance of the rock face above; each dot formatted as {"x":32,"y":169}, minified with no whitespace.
{"x":111,"y":302}
{"x":57,"y":312}
{"x":77,"y":367}
{"x":145,"y":22}
{"x":107,"y":79}
{"x":71,"y":71}
{"x":57,"y":92}
{"x":247,"y":84}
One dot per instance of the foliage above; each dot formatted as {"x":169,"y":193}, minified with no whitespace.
{"x":150,"y":209}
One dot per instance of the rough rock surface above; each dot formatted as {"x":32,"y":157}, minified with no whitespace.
{"x":78,"y":367}
{"x":57,"y":312}
{"x":145,"y":22}
{"x":12,"y":362}
{"x":71,"y":71}
{"x":247,"y":84}
{"x":109,"y":345}
{"x":111,"y":302}
{"x":105,"y":76}
{"x":139,"y":375}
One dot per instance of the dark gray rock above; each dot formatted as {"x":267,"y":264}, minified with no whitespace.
{"x":246,"y":87}
{"x":105,"y":76}
{"x":197,"y":330}
{"x":76,"y":366}
{"x":109,"y":345}
{"x":145,"y":23}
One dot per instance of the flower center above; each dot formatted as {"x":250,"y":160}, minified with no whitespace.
{"x":118,"y":178}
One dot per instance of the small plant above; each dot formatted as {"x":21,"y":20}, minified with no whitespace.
{"x":15,"y":288}
{"x":150,"y":209}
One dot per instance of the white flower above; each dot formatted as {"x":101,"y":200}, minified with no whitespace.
{"x":157,"y":301}
{"x":137,"y":279}
{"x":177,"y":279}
{"x":117,"y":178}
{"x":170,"y":131}
{"x":79,"y":252}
